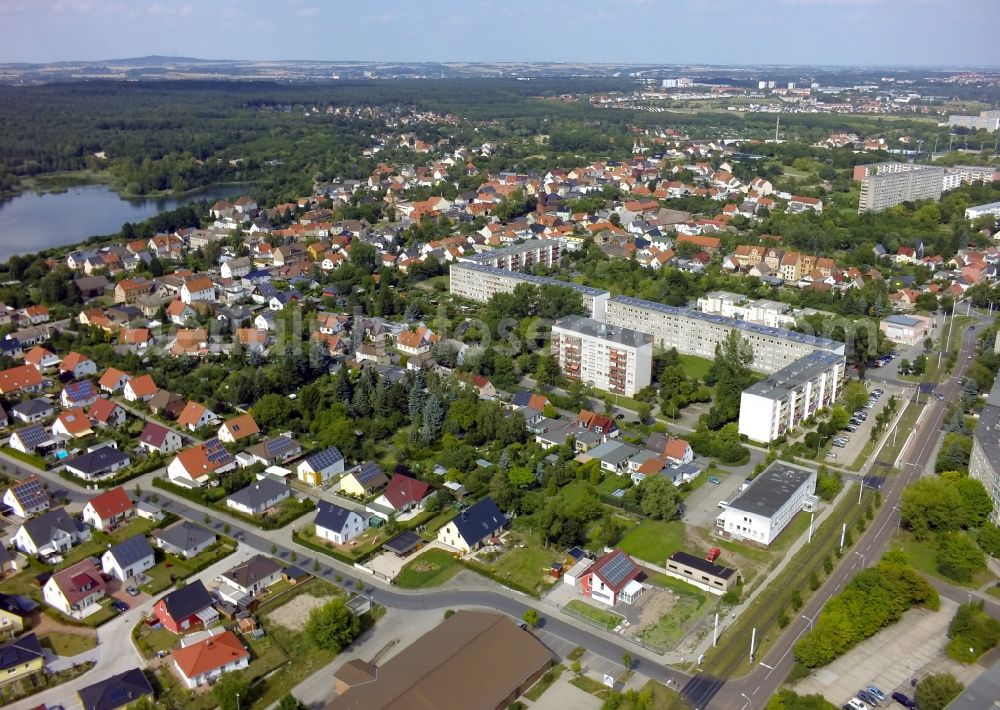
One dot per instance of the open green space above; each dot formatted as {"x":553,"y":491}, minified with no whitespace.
{"x":654,"y":540}
{"x":150,"y":641}
{"x":589,"y":685}
{"x":674,"y":624}
{"x":64,"y":644}
{"x":525,"y":567}
{"x":32,"y":460}
{"x":99,"y":540}
{"x":922,"y":554}
{"x":601,"y":617}
{"x":695,"y":366}
{"x":428,"y":569}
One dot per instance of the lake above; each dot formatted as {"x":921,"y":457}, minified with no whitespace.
{"x":31,"y":222}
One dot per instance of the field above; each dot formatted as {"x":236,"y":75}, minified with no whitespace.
{"x":654,"y":540}
{"x":65,"y":644}
{"x":695,"y":366}
{"x":428,"y":569}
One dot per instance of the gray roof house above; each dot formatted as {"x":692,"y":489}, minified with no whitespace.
{"x":99,"y":463}
{"x":338,"y":524}
{"x":184,"y":539}
{"x":52,"y":531}
{"x":467,"y":530}
{"x":249,"y":578}
{"x":613,"y":455}
{"x":259,"y":497}
{"x":129,"y":558}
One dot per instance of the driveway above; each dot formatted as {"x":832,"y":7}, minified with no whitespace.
{"x":388,"y":564}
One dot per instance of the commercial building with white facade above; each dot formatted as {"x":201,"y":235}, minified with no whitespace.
{"x":777,"y":405}
{"x":906,"y":330}
{"x":695,"y":333}
{"x":770,"y":502}
{"x":518,"y":257}
{"x":612,"y":359}
{"x":480,"y":282}
{"x":984,"y":462}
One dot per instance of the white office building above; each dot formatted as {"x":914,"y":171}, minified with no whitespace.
{"x":777,"y":405}
{"x":611,"y":359}
{"x":480,"y":282}
{"x":695,"y":333}
{"x":986,"y":120}
{"x":769,"y":503}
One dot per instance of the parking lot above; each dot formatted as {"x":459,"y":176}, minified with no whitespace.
{"x":703,"y":504}
{"x":847,"y":454}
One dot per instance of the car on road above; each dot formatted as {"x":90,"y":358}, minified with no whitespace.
{"x":132,"y":591}
{"x":877,"y":692}
{"x":120,"y":605}
{"x":905,"y":700}
{"x":714,"y":479}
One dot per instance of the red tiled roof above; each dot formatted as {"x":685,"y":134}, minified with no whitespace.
{"x":403,"y":490}
{"x":207,"y":655}
{"x":111,"y":503}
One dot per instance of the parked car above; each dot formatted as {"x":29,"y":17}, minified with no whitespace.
{"x":714,"y":479}
{"x":876,"y":691}
{"x":856,"y":704}
{"x":831,"y":455}
{"x":851,"y":428}
{"x":120,"y":605}
{"x":132,"y":591}
{"x":905,"y":700}
{"x":866,"y":697}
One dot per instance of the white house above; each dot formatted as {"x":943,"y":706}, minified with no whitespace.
{"x":51,"y":532}
{"x":320,"y":467}
{"x":77,"y":590}
{"x":258,"y":497}
{"x":27,"y":497}
{"x":768,"y":504}
{"x":203,"y":662}
{"x":467,"y":530}
{"x":107,"y":510}
{"x":200,"y":288}
{"x":253,"y":576}
{"x":337,"y":524}
{"x":128,"y":559}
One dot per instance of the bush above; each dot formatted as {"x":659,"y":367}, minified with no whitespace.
{"x":937,"y":690}
{"x":973,"y":632}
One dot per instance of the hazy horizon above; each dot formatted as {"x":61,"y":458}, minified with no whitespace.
{"x":849,"y":33}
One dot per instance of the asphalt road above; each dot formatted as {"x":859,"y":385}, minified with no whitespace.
{"x":756,"y":687}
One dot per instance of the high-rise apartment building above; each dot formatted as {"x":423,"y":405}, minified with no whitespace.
{"x":885,"y":185}
{"x":611,"y":359}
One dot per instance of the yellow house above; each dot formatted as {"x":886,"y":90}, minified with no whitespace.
{"x":363,"y":480}
{"x":20,"y":658}
{"x":11,"y":624}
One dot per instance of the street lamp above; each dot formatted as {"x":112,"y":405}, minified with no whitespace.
{"x":899,"y":517}
{"x":863,"y":561}
{"x":811,"y":619}
{"x":749,"y":705}
{"x":237,"y":701}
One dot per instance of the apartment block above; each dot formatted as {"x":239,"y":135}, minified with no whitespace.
{"x":480,"y":282}
{"x":958,"y":175}
{"x":885,"y":185}
{"x":518,"y":257}
{"x":777,"y":405}
{"x":611,"y":359}
{"x":696,"y":333}
{"x":984,"y":463}
{"x":991,"y":208}
{"x":986,"y":120}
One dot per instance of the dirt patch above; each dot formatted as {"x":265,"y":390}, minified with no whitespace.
{"x":655,"y":605}
{"x":46,"y":624}
{"x":424,"y":566}
{"x":294,"y":613}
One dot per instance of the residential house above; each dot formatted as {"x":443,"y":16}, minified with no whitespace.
{"x":167,"y":404}
{"x":194,"y":466}
{"x":30,"y":439}
{"x":801,"y":204}
{"x":415,"y":342}
{"x":13,"y":610}
{"x":21,"y":658}
{"x":33,"y":315}
{"x":186,"y":608}
{"x":402,"y":495}
{"x":156,"y":437}
{"x":81,"y":393}
{"x":277,"y":450}
{"x":51,"y":532}
{"x":77,"y":590}
{"x":205,"y":661}
{"x":119,"y":690}
{"x":98,"y":463}
{"x":130,"y":290}
{"x":318,"y":468}
{"x":72,"y":423}
{"x":612,"y":579}
{"x":337,"y":524}
{"x":190,"y":341}
{"x":109,"y":509}
{"x":113,"y":380}
{"x":195,"y":416}
{"x":363,"y":480}
{"x":32,"y":410}
{"x":41,"y":358}
{"x":200,"y":288}
{"x":252,"y":339}
{"x":678,"y":451}
{"x":184,"y":539}
{"x":28,"y":497}
{"x":20,"y":379}
{"x":252,"y":577}
{"x":180,"y":313}
{"x":236,"y":268}
{"x":470,"y":528}
{"x":140,"y":389}
{"x":128,"y":559}
{"x":77,"y":365}
{"x":259,"y":497}
{"x":106,"y":413}
{"x":602,"y":424}
{"x":237,"y":428}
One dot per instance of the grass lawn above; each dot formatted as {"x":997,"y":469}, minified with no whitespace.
{"x":891,"y":450}
{"x":63,"y":644}
{"x":994,"y":591}
{"x":612,"y":482}
{"x":695,"y":366}
{"x":359,"y":547}
{"x":24,"y":581}
{"x":544,"y":683}
{"x":99,"y":541}
{"x":428,"y":569}
{"x":31,"y":459}
{"x":107,"y":613}
{"x":605,"y":619}
{"x":438,"y":521}
{"x":589,"y":685}
{"x":923,"y":556}
{"x":572,"y":492}
{"x":678,"y":586}
{"x":672,"y":626}
{"x":654,"y":540}
{"x":525,"y":566}
{"x":663,"y":698}
{"x":150,"y":640}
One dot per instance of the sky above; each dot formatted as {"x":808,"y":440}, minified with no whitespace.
{"x":951,"y":33}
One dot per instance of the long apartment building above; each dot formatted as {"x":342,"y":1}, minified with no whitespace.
{"x":984,"y":462}
{"x":695,"y":333}
{"x":777,"y":405}
{"x":611,"y":359}
{"x":885,"y":185}
{"x":518,"y":257}
{"x":480,"y":282}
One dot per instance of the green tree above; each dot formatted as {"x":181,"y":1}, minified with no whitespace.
{"x":855,"y":395}
{"x":660,"y":499}
{"x":977,"y":501}
{"x":290,"y":702}
{"x":732,"y":374}
{"x":531,"y":618}
{"x":958,"y":557}
{"x":931,"y":504}
{"x":232,"y":691}
{"x":935,"y":691}
{"x":332,"y":627}
{"x":788,"y":699}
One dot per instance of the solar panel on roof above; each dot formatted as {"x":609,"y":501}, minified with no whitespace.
{"x":368,"y":471}
{"x":325,"y":458}
{"x":617,"y":569}
{"x":30,"y":492}
{"x":33,"y":435}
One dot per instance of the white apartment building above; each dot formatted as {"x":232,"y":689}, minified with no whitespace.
{"x":479,"y":282}
{"x":612,"y":359}
{"x":696,"y":333}
{"x":886,"y":185}
{"x":977,"y":211}
{"x":769,"y":503}
{"x":986,"y":120}
{"x":518,"y":257}
{"x":958,"y":175}
{"x":777,"y":405}
{"x":984,"y":462}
